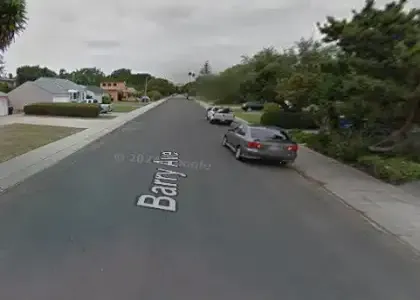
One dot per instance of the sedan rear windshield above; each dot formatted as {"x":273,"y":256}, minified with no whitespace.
{"x":265,"y":134}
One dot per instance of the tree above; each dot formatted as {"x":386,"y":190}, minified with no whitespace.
{"x":206,"y":69}
{"x":12,"y":21}
{"x":87,"y":76}
{"x":381,"y":49}
{"x":31,"y":73}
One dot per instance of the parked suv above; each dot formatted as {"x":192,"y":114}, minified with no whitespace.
{"x":250,"y":106}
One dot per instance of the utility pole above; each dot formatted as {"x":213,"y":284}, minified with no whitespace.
{"x":145,"y":86}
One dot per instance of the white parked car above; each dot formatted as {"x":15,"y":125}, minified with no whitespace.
{"x":105,"y":108}
{"x":211,"y":110}
{"x":221,"y":115}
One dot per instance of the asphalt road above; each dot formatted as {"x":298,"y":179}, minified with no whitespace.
{"x":241,"y":231}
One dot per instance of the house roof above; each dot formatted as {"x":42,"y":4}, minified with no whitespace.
{"x":95,"y":89}
{"x":57,"y":85}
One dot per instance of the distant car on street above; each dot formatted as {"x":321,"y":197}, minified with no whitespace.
{"x":261,"y":143}
{"x":145,"y":99}
{"x":250,"y":106}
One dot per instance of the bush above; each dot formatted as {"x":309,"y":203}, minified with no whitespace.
{"x":271,"y":107}
{"x":394,"y":170}
{"x":302,"y":137}
{"x":154,"y":95}
{"x":106,"y":100}
{"x":289,"y":120}
{"x":63,"y":109}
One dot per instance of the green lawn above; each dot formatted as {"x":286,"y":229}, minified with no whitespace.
{"x":123,"y":107}
{"x":17,"y":139}
{"x":251,"y":117}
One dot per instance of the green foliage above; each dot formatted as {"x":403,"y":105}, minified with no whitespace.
{"x":271,"y":107}
{"x":32,"y":73}
{"x":154,"y":95}
{"x":106,"y":100}
{"x":12,"y":21}
{"x":395,"y":170}
{"x":302,"y":137}
{"x":4,"y":88}
{"x":63,"y":109}
{"x":288,"y":120}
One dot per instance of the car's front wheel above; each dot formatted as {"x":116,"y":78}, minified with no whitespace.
{"x":224,"y":141}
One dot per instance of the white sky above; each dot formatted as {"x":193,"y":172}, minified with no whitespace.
{"x":165,"y":38}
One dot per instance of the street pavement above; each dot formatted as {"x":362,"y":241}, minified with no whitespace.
{"x":240,"y":231}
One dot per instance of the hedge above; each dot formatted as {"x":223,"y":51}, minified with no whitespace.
{"x":289,"y":120}
{"x":84,"y":110}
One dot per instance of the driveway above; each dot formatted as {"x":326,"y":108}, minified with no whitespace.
{"x":240,"y":231}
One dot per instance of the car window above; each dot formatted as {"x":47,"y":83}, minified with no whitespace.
{"x":240,"y":130}
{"x":224,"y":110}
{"x":265,"y":134}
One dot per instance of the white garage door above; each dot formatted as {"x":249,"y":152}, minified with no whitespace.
{"x":61,"y":99}
{"x":3,"y":107}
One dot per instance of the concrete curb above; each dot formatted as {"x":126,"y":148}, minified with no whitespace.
{"x":22,"y":167}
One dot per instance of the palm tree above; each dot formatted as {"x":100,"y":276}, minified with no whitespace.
{"x":12,"y":21}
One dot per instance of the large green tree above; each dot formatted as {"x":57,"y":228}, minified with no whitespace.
{"x":12,"y":22}
{"x":381,"y":55}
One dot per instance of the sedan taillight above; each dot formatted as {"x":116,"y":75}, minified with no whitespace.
{"x":293,"y":148}
{"x":254,"y":145}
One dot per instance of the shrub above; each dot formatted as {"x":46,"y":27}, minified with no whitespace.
{"x":271,"y":107}
{"x":394,"y":170}
{"x":289,"y":120}
{"x":302,"y":137}
{"x":154,"y":95}
{"x":63,"y":109}
{"x":106,"y":100}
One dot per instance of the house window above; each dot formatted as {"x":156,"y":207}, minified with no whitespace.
{"x":109,"y":84}
{"x":103,"y":84}
{"x":115,"y":84}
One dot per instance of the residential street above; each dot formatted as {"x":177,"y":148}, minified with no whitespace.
{"x":240,"y":231}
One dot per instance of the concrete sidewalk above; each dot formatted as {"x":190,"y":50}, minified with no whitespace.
{"x":387,"y":207}
{"x":21,"y":167}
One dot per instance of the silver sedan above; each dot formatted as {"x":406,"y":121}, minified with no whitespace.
{"x":260,"y":142}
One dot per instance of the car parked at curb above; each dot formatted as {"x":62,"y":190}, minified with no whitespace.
{"x":257,"y":142}
{"x":222,"y":116}
{"x":211,"y":110}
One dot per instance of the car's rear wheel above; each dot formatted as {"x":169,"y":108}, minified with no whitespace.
{"x":212,"y":121}
{"x":229,"y":123}
{"x":238,"y":153}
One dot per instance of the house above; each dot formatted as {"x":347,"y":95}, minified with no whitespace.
{"x":4,"y":104}
{"x":46,"y":89}
{"x":118,"y":90}
{"x":95,"y":92}
{"x":11,"y":82}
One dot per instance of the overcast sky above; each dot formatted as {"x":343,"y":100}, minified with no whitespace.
{"x":163,"y":37}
